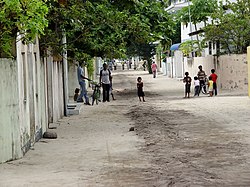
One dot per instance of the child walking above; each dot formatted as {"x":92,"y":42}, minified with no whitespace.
{"x":187,"y":80}
{"x":210,"y":87}
{"x":196,"y":86}
{"x":140,"y":89}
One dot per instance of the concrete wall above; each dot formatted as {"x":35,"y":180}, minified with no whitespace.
{"x":10,"y":147}
{"x":232,"y":71}
{"x":73,"y":82}
{"x":31,"y":96}
{"x":191,"y":65}
{"x":55,"y":97}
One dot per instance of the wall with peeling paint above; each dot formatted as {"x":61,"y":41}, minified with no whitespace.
{"x":233,"y":72}
{"x":31,"y":94}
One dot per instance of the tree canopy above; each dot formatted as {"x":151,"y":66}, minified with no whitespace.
{"x":230,"y":27}
{"x":23,"y":17}
{"x":106,"y":28}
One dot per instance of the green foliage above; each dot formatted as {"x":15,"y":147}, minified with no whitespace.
{"x":230,"y":27}
{"x":25,"y":17}
{"x":90,"y":68}
{"x":186,"y":47}
{"x":192,"y":46}
{"x":198,"y":11}
{"x":108,"y":29}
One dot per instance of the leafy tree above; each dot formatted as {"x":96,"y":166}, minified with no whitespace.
{"x":106,"y":28}
{"x":199,"y":11}
{"x":23,"y":17}
{"x":230,"y":27}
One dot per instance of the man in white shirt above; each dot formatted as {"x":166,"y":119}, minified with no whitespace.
{"x":105,"y":76}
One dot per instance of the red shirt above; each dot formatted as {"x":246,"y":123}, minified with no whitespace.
{"x":214,"y":77}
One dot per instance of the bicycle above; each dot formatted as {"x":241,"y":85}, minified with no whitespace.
{"x":204,"y":88}
{"x":96,"y":93}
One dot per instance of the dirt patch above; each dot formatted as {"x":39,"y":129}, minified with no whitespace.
{"x":188,"y":152}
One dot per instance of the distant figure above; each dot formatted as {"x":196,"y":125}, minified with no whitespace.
{"x":144,"y":65}
{"x":77,"y":91}
{"x":130,"y":64}
{"x":123,"y":63}
{"x":115,"y":64}
{"x":111,"y":88}
{"x":105,"y":75}
{"x":110,"y":64}
{"x":210,"y":87}
{"x":187,"y":80}
{"x":196,"y":86}
{"x":81,"y":80}
{"x":214,"y":79}
{"x":202,"y":77}
{"x":140,"y":89}
{"x":154,"y":69}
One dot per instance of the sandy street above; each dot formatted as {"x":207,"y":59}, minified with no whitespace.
{"x":177,"y":142}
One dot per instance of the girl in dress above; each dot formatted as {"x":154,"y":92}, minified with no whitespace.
{"x":140,"y":89}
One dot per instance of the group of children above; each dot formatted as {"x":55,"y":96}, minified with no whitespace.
{"x":200,"y":81}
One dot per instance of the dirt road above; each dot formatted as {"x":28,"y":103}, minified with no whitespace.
{"x":177,"y":142}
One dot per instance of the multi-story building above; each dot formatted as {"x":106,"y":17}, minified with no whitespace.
{"x":177,"y":64}
{"x":188,"y":31}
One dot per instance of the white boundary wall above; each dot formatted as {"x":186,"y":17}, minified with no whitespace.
{"x":31,"y":97}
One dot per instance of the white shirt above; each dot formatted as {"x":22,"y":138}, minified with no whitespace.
{"x":105,"y":76}
{"x":196,"y":83}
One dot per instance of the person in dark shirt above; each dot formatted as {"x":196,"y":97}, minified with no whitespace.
{"x":214,"y":79}
{"x":202,"y":77}
{"x":140,"y":89}
{"x":187,"y":80}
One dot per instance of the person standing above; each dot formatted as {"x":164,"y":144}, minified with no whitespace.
{"x":110,"y":64}
{"x":111,"y":88}
{"x":105,"y":76}
{"x":210,"y":87}
{"x":196,"y":86}
{"x":187,"y":80}
{"x":114,"y":63}
{"x":202,"y":77}
{"x":144,"y":65}
{"x":154,"y":69}
{"x":81,"y":80}
{"x":214,"y":79}
{"x":140,"y":89}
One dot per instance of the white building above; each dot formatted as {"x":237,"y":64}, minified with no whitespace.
{"x":176,"y":65}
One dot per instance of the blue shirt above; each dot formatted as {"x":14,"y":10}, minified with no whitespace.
{"x":79,"y":73}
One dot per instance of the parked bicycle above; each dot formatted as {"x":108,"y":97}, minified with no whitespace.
{"x":96,"y":93}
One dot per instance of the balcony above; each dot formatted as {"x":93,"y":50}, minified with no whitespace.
{"x":177,"y":5}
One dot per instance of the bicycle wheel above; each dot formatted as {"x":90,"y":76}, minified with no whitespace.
{"x":204,"y":89}
{"x":93,"y":97}
{"x":98,"y":94}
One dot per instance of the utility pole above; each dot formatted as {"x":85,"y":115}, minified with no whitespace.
{"x":190,"y":24}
